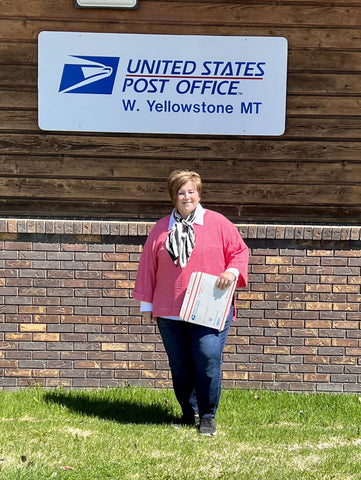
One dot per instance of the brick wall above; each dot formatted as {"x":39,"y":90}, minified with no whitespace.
{"x":67,"y":317}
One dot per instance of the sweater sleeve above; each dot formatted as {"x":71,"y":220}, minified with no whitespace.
{"x":147,"y":270}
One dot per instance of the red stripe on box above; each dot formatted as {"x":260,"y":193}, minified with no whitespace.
{"x":193,"y":295}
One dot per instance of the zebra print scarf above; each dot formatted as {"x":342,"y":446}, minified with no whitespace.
{"x":181,"y":239}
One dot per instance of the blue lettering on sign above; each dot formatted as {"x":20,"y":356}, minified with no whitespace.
{"x":224,"y":87}
{"x":129,"y":105}
{"x":233,"y":69}
{"x":153,"y":85}
{"x":174,"y":107}
{"x":94,"y":75}
{"x":216,"y":78}
{"x":161,"y":67}
{"x":251,"y":107}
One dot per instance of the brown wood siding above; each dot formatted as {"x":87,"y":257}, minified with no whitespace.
{"x":310,"y":174}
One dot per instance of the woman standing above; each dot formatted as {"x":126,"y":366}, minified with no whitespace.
{"x":190,"y":239}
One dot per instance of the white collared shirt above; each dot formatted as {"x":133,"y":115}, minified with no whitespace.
{"x":197,"y":219}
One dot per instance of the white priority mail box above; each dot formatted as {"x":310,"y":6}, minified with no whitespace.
{"x":204,"y":303}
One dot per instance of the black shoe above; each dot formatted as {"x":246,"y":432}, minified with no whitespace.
{"x":208,"y":427}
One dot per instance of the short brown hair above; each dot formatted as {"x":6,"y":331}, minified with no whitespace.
{"x":178,"y":178}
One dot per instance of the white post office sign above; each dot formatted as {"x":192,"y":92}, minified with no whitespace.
{"x":172,"y":84}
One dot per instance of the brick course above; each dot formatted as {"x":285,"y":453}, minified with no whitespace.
{"x":67,"y":317}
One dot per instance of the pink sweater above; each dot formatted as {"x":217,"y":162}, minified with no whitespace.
{"x":218,"y":246}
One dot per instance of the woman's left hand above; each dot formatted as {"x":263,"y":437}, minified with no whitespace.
{"x":225,"y":279}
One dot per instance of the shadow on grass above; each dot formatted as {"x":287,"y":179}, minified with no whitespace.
{"x":119,"y":410}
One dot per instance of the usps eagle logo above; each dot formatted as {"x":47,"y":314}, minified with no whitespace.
{"x":92,"y":75}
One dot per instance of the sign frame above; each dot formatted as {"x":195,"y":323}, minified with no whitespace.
{"x":162,"y":84}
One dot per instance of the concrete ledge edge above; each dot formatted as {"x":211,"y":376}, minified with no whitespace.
{"x":142,"y":228}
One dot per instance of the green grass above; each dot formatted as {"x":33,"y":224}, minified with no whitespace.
{"x":127,"y":434}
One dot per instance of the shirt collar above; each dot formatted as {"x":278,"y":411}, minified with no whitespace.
{"x":198,"y":218}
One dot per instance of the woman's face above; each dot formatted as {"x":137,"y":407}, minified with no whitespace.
{"x":187,"y":199}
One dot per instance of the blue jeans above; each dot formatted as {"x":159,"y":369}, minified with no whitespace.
{"x":195,"y":359}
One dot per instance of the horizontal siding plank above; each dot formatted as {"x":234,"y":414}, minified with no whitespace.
{"x":152,"y":211}
{"x":122,"y":190}
{"x":321,"y":127}
{"x":305,"y":37}
{"x":349,"y":128}
{"x":15,"y":76}
{"x":328,"y":61}
{"x":21,"y":98}
{"x":210,"y":13}
{"x":226,"y":171}
{"x":323,"y":105}
{"x":176,"y":148}
{"x":323,"y":84}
